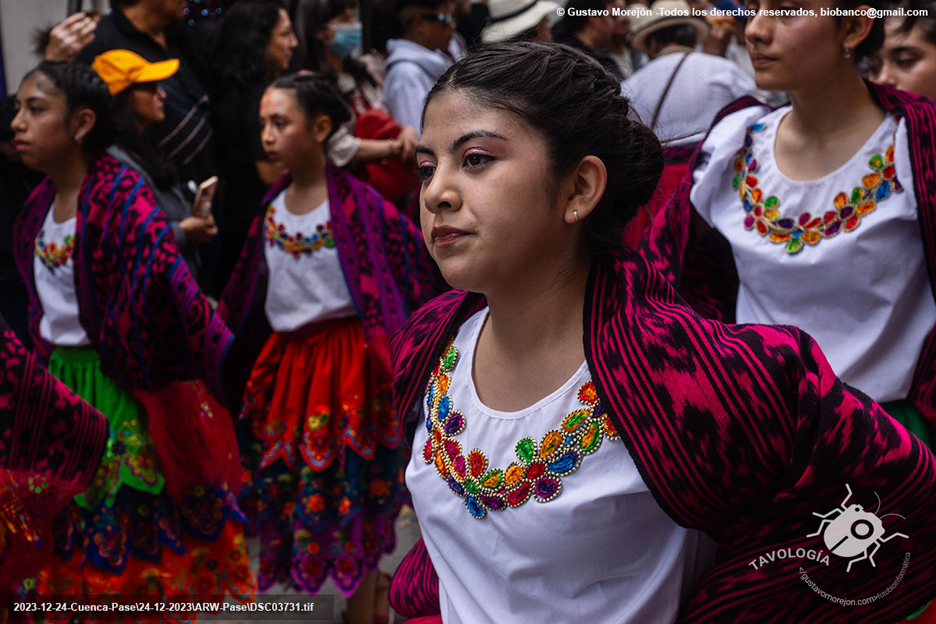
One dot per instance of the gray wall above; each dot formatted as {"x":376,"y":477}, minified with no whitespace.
{"x":18,"y":20}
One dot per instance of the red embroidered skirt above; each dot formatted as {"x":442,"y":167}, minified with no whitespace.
{"x":320,"y":449}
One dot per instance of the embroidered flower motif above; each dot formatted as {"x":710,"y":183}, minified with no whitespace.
{"x":315,"y":503}
{"x":51,"y":254}
{"x":763,"y":211}
{"x":541,"y":466}
{"x":297,"y":244}
{"x":378,"y":487}
{"x":317,"y":420}
{"x":111,"y":544}
{"x":143,"y":465}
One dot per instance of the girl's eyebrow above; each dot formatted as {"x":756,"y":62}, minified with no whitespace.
{"x":475,"y":135}
{"x":486,"y":134}
{"x":903,"y":48}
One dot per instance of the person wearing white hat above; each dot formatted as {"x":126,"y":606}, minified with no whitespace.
{"x":651,"y":33}
{"x":519,"y":19}
{"x":679,"y":92}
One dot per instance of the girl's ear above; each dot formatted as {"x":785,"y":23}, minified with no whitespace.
{"x":857,"y":28}
{"x":82,"y":122}
{"x":321,"y":128}
{"x":583,"y":188}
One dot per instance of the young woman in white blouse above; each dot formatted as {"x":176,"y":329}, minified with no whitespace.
{"x":334,"y":270}
{"x":823,"y":203}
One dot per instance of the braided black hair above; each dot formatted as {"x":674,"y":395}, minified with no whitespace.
{"x":82,"y":87}
{"x":316,"y":96}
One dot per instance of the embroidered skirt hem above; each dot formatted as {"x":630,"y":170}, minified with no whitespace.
{"x":125,"y":535}
{"x":322,"y":463}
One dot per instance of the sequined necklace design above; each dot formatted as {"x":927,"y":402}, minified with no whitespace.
{"x":52,"y":255}
{"x":297,"y":244}
{"x":541,"y":465}
{"x":762,"y":211}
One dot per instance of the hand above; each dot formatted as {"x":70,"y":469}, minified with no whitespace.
{"x":69,"y":37}
{"x":408,"y":140}
{"x":199,"y":231}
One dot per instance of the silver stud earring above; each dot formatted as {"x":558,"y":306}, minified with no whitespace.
{"x":575,"y":214}
{"x":847,"y":52}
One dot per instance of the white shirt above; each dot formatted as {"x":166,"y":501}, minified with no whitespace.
{"x":306,"y":283}
{"x":342,"y":146}
{"x":704,"y":85}
{"x":55,"y":285}
{"x":601,"y":551}
{"x":864,"y":295}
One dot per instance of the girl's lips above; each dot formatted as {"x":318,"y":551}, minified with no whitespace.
{"x":20,"y":145}
{"x":446,"y":235}
{"x":448,"y":239}
{"x":759,"y":60}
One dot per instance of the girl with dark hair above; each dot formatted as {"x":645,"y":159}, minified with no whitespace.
{"x":255,"y":44}
{"x":119,"y":319}
{"x":560,"y":344}
{"x":139,"y":103}
{"x":907,"y":60}
{"x":837,"y":178}
{"x":371,"y":136}
{"x":335,"y":270}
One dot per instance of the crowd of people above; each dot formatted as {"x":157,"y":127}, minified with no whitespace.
{"x":265,"y":277}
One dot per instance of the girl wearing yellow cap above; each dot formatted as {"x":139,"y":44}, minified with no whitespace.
{"x":140,"y":103}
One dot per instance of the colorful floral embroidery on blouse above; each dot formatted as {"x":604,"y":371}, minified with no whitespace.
{"x":540,"y":465}
{"x":53,"y":255}
{"x":297,"y":244}
{"x":763,"y":210}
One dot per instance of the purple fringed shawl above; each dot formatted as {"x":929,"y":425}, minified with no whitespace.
{"x":137,"y":300}
{"x":50,"y":445}
{"x":742,"y":431}
{"x":382,"y":255}
{"x":702,"y":268}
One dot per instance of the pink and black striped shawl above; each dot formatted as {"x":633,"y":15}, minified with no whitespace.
{"x":137,"y":300}
{"x":50,"y":445}
{"x":382,"y":255}
{"x":703,"y":270}
{"x":742,"y":431}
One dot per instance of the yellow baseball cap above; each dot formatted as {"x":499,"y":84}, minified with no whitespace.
{"x":122,"y":68}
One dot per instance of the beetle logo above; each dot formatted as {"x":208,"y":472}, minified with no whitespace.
{"x":853,"y":533}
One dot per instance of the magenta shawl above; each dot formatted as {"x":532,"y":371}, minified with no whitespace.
{"x":50,"y":445}
{"x":741,"y":431}
{"x":703,"y":271}
{"x":382,"y":255}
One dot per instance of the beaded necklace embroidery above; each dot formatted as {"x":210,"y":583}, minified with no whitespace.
{"x":51,"y":254}
{"x":297,"y":244}
{"x":541,"y":465}
{"x":763,"y":211}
